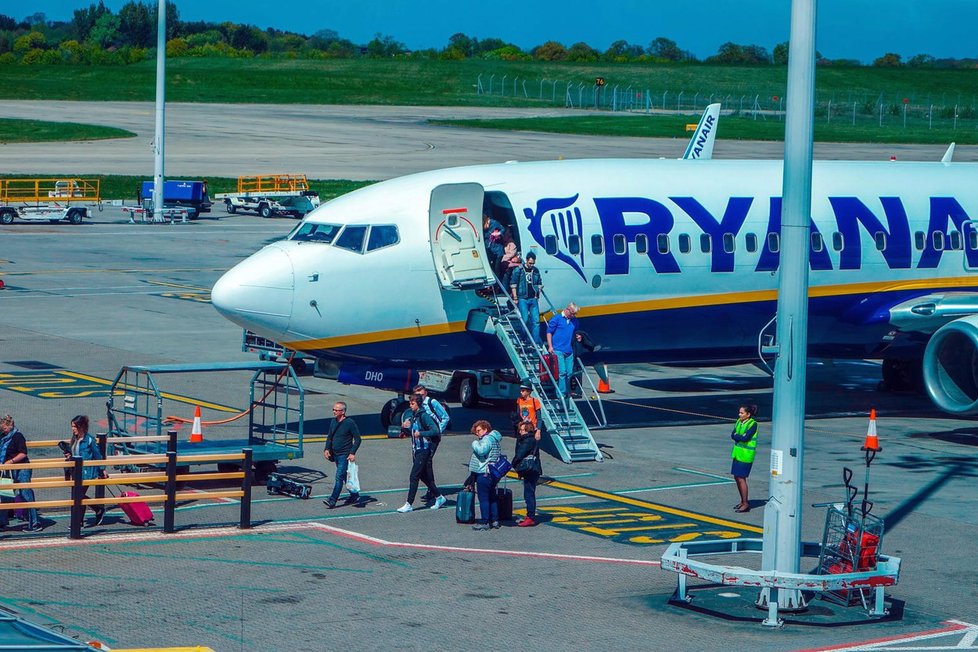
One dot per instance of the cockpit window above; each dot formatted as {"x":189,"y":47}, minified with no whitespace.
{"x":311,"y":232}
{"x":352,"y":238}
{"x":381,"y":236}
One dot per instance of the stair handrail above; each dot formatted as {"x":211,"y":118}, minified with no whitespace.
{"x":601,"y":420}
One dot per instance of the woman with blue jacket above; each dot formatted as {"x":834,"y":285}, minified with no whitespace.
{"x":485,"y":449}
{"x":83,"y":445}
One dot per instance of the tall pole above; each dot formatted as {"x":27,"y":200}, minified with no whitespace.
{"x":782,"y":515}
{"x":158,"y":139}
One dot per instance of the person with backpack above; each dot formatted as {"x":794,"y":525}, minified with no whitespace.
{"x":442,"y":420}
{"x":423,"y":430}
{"x":526,"y":463}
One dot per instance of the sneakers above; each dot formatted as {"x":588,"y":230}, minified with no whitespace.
{"x":330,"y":503}
{"x":495,"y":525}
{"x":405,"y":508}
{"x":481,"y":526}
{"x":527,"y":522}
{"x":99,"y":516}
{"x":439,"y":501}
{"x":37,"y":527}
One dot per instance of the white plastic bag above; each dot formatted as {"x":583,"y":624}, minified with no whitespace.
{"x":353,"y":478}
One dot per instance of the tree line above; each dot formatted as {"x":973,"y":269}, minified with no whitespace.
{"x":96,"y":35}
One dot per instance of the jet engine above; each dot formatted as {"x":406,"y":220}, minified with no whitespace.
{"x":951,"y":366}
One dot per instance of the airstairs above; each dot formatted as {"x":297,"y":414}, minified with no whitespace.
{"x":562,"y":421}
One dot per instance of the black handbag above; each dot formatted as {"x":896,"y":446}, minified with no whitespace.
{"x":530,"y":463}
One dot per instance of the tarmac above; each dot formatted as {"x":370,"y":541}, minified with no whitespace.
{"x":82,"y":301}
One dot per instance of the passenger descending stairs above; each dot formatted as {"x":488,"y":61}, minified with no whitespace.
{"x":564,"y":424}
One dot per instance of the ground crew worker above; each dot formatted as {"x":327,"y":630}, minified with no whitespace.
{"x":744,"y":436}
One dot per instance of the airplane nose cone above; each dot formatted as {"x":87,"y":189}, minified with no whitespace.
{"x":257,"y":293}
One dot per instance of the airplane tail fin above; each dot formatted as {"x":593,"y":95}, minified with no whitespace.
{"x":701,"y":144}
{"x":948,"y":154}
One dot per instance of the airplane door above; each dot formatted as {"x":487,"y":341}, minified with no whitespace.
{"x":455,"y":222}
{"x":969,"y":232}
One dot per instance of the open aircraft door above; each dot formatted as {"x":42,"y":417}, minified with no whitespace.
{"x":455,"y":222}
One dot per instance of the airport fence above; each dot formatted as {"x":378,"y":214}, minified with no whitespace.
{"x":887,"y":110}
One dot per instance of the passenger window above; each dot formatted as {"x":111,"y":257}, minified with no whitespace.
{"x":837,"y":241}
{"x":918,"y":240}
{"x":662,"y":243}
{"x":750,"y":241}
{"x":938,"y":239}
{"x":311,"y":232}
{"x":773,"y":242}
{"x":550,"y":244}
{"x":641,"y":244}
{"x":352,"y":238}
{"x":728,"y":243}
{"x":972,"y":239}
{"x":956,"y":240}
{"x":817,"y":243}
{"x":880,"y":239}
{"x":597,"y":244}
{"x":574,"y":244}
{"x":621,"y":247}
{"x":382,"y":236}
{"x":706,"y":243}
{"x":685,"y":245}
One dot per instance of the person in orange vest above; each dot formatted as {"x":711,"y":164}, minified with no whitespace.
{"x":744,"y":436}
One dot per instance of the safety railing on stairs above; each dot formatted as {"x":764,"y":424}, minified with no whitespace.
{"x":571,"y":438}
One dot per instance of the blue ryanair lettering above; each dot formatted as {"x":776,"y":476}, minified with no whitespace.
{"x":850,"y":212}
{"x":942,"y":211}
{"x":769,"y":260}
{"x":703,"y":136}
{"x":731,"y":222}
{"x":612,"y":211}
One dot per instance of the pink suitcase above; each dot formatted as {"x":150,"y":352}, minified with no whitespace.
{"x":138,"y":513}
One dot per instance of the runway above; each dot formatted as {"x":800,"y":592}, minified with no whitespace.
{"x":349,"y":142}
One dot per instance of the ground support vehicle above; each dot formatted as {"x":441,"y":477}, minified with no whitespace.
{"x":191,"y":195}
{"x":273,"y":422}
{"x":48,"y":200}
{"x":471,"y":386}
{"x":272,"y":195}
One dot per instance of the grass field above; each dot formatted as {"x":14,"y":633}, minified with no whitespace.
{"x":36,"y":131}
{"x":450,"y":83}
{"x":125,"y":187}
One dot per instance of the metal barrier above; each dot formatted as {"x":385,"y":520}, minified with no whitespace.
{"x":169,"y":477}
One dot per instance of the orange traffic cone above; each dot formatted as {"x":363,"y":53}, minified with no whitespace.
{"x":196,"y":435}
{"x":604,"y":386}
{"x":872,"y":442}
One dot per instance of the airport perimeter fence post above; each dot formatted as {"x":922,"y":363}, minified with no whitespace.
{"x":77,"y":494}
{"x":245,"y":522}
{"x":171,"y":443}
{"x":102,"y":441}
{"x":169,"y":507}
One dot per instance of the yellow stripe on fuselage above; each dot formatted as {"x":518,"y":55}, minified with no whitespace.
{"x":648,"y":305}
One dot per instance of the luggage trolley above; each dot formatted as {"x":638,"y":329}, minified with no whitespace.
{"x":852,"y":542}
{"x":275,"y":421}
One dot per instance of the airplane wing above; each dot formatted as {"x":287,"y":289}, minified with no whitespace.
{"x":701,"y":144}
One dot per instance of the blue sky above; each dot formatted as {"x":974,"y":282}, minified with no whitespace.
{"x":850,"y":29}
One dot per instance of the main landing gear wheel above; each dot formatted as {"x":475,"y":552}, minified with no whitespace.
{"x":468,"y":395}
{"x":392,"y":413}
{"x":902,"y":375}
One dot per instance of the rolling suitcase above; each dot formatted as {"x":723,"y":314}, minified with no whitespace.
{"x":465,"y":507}
{"x":137,"y":513}
{"x":505,"y":498}
{"x":549,"y":362}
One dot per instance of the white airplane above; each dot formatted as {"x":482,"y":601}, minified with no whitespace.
{"x":671,"y":262}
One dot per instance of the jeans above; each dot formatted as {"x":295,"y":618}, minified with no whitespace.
{"x":530,"y":313}
{"x":432,"y":449}
{"x":420,"y":471}
{"x":27,"y":495}
{"x":488,"y":500}
{"x":530,"y":492}
{"x":342,"y":464}
{"x":565,"y":367}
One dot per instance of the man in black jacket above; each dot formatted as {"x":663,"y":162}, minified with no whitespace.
{"x":342,"y":442}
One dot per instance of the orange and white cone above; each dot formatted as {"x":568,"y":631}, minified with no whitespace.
{"x":196,"y":434}
{"x":872,"y":442}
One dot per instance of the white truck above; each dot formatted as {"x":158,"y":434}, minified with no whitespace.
{"x":472,"y":385}
{"x":271,"y":195}
{"x":48,"y":200}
